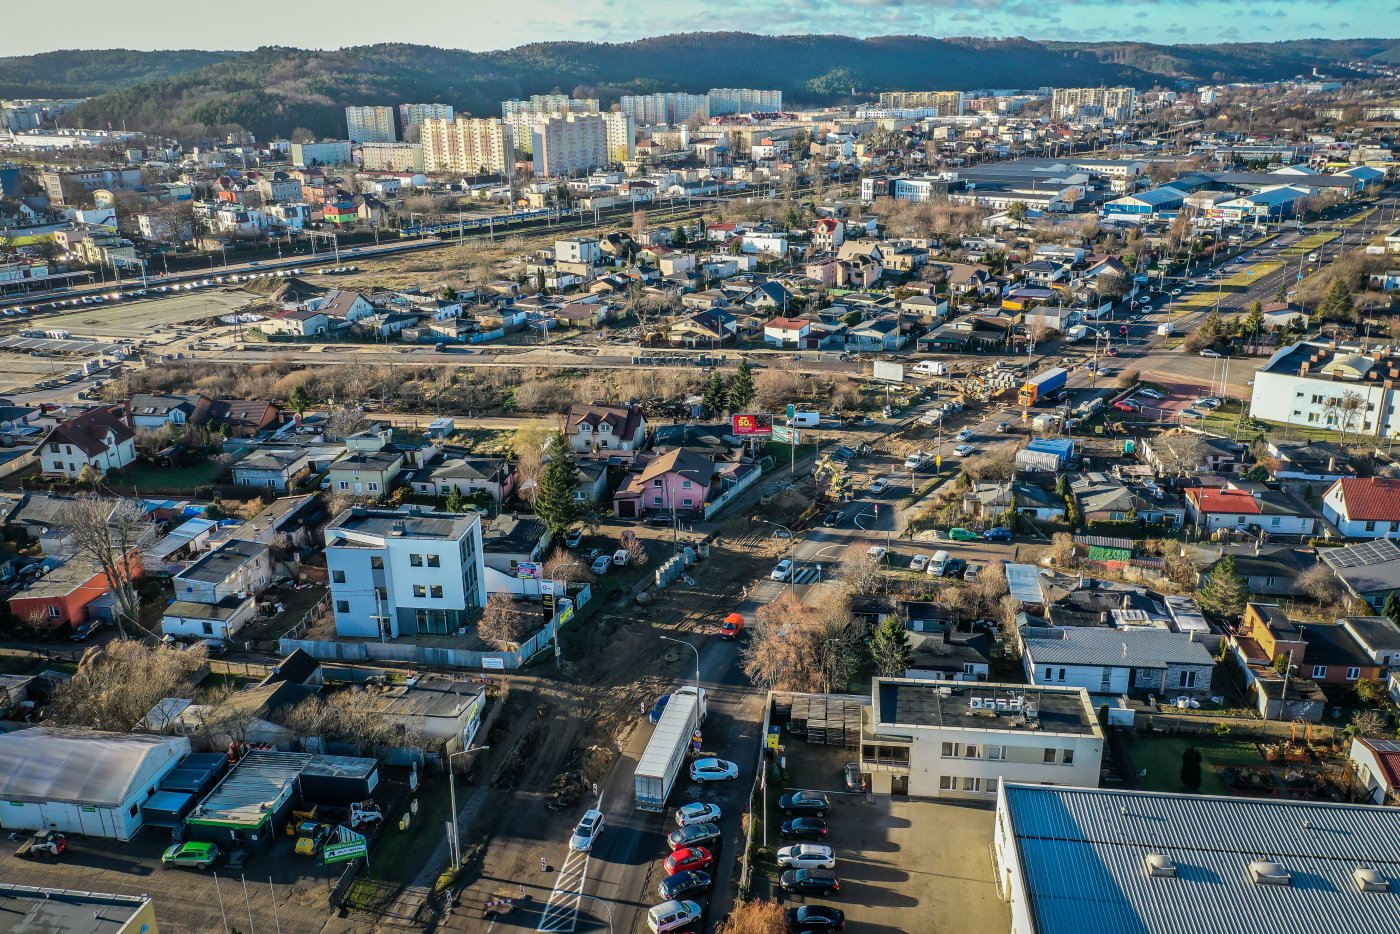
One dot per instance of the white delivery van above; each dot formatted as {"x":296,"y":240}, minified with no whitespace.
{"x":805,"y":420}
{"x":672,"y":916}
{"x":1166,"y":329}
{"x":938,"y":563}
{"x":931,"y":368}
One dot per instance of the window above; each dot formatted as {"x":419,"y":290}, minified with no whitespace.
{"x":345,"y":484}
{"x":373,"y":487}
{"x":420,"y":590}
{"x":434,"y":561}
{"x":376,"y":563}
{"x":53,"y":611}
{"x":208,"y":627}
{"x":1371,"y":526}
{"x":337,"y":577}
{"x":657,"y":482}
{"x":686,"y":484}
{"x":435,"y":591}
{"x":1276,"y":521}
{"x":687,"y":502}
{"x":342,"y":606}
{"x":1239,"y":520}
{"x":1319,"y":671}
{"x":972,"y":784}
{"x":1050,"y":756}
{"x":1067,"y":757}
{"x":656,"y":501}
{"x":415,"y":561}
{"x":996,"y":752}
{"x":970,"y":751}
{"x":134,"y":809}
{"x":1353,"y":674}
{"x":947,"y":783}
{"x":950,"y":750}
{"x":1185,"y":679}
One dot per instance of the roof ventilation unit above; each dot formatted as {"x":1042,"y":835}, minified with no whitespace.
{"x":1159,"y":864}
{"x":1369,"y":880}
{"x":1265,"y":872}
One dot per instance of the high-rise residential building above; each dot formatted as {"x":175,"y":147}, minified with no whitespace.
{"x":1116,"y":104}
{"x":414,"y":114}
{"x":564,"y":143}
{"x":946,"y":103}
{"x":721,"y":102}
{"x":549,"y":104}
{"x":669,"y":107}
{"x":621,"y":131}
{"x":622,"y":135}
{"x":392,"y":157}
{"x":371,"y":124}
{"x":467,"y":145}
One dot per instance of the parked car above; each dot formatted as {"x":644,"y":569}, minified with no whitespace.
{"x":962,"y":535}
{"x":194,"y":853}
{"x":879,"y":485}
{"x":809,"y":803}
{"x":1127,"y":405}
{"x":999,"y":534}
{"x":713,"y":770}
{"x":971,"y":573}
{"x":658,"y":708}
{"x":1208,"y":402}
{"x":672,"y":916}
{"x":804,"y":828}
{"x":84,"y":631}
{"x":918,"y":563}
{"x":573,"y":539}
{"x":1192,"y":415}
{"x":877,"y":552}
{"x":810,"y":882}
{"x":807,"y":856}
{"x":1004,"y":427}
{"x":850,"y":772}
{"x":782,"y":570}
{"x":588,"y":556}
{"x":1152,"y":393}
{"x":601,"y":564}
{"x":954,"y":567}
{"x":965,"y":434}
{"x":661,"y":518}
{"x":814,"y":919}
{"x":963,"y":450}
{"x":688,"y":858}
{"x":589,"y":826}
{"x":697,"y":812}
{"x":690,"y":882}
{"x":1214,"y":354}
{"x":706,"y":835}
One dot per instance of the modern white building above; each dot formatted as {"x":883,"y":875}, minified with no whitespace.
{"x":565,"y":143}
{"x":721,"y":102}
{"x":1363,"y":507}
{"x":405,"y":571}
{"x":1100,"y":861}
{"x":543,"y":104}
{"x":1116,"y":104}
{"x":1114,"y":661}
{"x":960,"y":740}
{"x":664,"y":108}
{"x":371,"y":124}
{"x":470,"y":146}
{"x":1320,"y":384}
{"x":82,"y":781}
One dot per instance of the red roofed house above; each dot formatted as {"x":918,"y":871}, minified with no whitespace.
{"x":787,"y":332}
{"x":1377,"y":766}
{"x":244,"y":419}
{"x":97,"y":438}
{"x":60,"y":598}
{"x":1363,"y":507}
{"x":720,"y":233}
{"x":1249,"y":511}
{"x":828,"y":234}
{"x":603,"y":428}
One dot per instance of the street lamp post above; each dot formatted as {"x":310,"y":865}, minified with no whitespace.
{"x":697,"y":662}
{"x":456,"y":843}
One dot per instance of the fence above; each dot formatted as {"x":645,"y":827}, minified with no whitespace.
{"x":747,"y":480}
{"x":439,"y":656}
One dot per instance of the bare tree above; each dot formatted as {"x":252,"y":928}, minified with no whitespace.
{"x":109,"y":533}
{"x":566,"y":566}
{"x":343,"y":421}
{"x":1181,"y":452}
{"x":755,"y":917}
{"x":1009,"y":608}
{"x":501,"y":625}
{"x":1062,"y":551}
{"x":777,"y":655}
{"x":1320,"y":583}
{"x":527,"y":444}
{"x":1370,"y":723}
{"x":116,"y":685}
{"x":864,"y":575}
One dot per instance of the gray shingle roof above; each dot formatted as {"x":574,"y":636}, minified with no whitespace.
{"x":1150,"y":648}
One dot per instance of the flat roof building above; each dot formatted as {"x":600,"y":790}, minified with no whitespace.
{"x":26,"y":909}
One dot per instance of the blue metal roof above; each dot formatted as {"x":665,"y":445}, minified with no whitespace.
{"x":1063,"y":447}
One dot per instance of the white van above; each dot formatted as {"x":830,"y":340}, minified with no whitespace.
{"x":931,"y":368}
{"x":937,"y":564}
{"x":1166,"y":329}
{"x":805,"y":420}
{"x":672,"y":916}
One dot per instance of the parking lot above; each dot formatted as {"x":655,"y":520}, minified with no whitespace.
{"x":899,"y":859}
{"x":138,"y":317}
{"x":55,"y":345}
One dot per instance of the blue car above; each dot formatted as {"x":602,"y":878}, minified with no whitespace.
{"x":658,"y":708}
{"x":998,"y":534}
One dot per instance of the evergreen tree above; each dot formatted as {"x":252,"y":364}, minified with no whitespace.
{"x":678,"y":239}
{"x":889,"y":648}
{"x":1336,"y":304}
{"x":1191,"y":769}
{"x":1224,"y":592}
{"x":456,"y":502}
{"x":1392,"y":607}
{"x":1253,"y":321}
{"x":554,"y":497}
{"x":299,"y":400}
{"x":1062,"y":485}
{"x":715,"y":395}
{"x":741,"y":388}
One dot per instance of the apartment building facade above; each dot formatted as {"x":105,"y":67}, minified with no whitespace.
{"x":371,"y":124}
{"x":565,"y":143}
{"x":1116,"y":104}
{"x":722,"y":102}
{"x":944,"y":103}
{"x":467,"y":145}
{"x":664,"y":108}
{"x":392,"y":157}
{"x":411,"y":115}
{"x":542,"y":104}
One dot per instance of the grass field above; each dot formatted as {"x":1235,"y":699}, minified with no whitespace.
{"x":144,"y":477}
{"x":1308,"y":244}
{"x":1239,"y":282}
{"x":1357,"y":219}
{"x":1161,"y":757}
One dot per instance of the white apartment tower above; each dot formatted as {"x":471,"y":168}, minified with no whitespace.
{"x":414,"y":114}
{"x":568,"y":143}
{"x":548,"y":104}
{"x":371,"y":124}
{"x":1116,"y":104}
{"x":666,"y":108}
{"x":721,"y":102}
{"x":467,"y":145}
{"x":945,"y":103}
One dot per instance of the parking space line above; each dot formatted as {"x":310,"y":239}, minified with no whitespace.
{"x":560,"y":915}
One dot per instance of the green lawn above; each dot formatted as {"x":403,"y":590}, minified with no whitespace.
{"x":399,"y":854}
{"x":1161,"y":757}
{"x":146,"y":476}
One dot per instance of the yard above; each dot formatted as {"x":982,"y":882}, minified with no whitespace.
{"x":144,"y":476}
{"x":1161,"y":758}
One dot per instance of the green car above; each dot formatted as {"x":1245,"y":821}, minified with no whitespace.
{"x":198,"y":855}
{"x":962,"y":535}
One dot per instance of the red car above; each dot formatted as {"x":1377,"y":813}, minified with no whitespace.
{"x":1126,"y":405}
{"x":1112,"y":351}
{"x":688,"y":858}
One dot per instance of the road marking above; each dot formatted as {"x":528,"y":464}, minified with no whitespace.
{"x":560,"y":914}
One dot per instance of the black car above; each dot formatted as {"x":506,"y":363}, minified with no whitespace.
{"x":851,"y":773}
{"x":804,"y":828}
{"x":706,"y":835}
{"x":954,"y":568}
{"x":810,"y":882}
{"x":804,"y":802}
{"x":684,"y":884}
{"x":661,"y":518}
{"x":812,"y":918}
{"x":833,"y":518}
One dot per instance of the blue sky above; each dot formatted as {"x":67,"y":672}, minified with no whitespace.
{"x":487,"y":24}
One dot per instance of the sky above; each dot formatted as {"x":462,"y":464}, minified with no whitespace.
{"x":27,"y":27}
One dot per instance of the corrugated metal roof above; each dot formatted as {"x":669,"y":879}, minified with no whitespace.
{"x":1082,"y":852}
{"x":1023,"y":580}
{"x":82,"y":767}
{"x":675,"y":723}
{"x":250,"y":789}
{"x":1148,"y":648}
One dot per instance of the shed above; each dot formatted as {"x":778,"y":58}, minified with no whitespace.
{"x":339,"y":780}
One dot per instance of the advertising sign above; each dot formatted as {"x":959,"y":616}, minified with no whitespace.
{"x":529,"y":569}
{"x":787,"y":435}
{"x":752,"y":424}
{"x":890,"y":372}
{"x":344,"y":852}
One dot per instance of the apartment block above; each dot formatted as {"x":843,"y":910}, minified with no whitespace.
{"x":944,"y":103}
{"x":414,"y":114}
{"x":622,"y":135}
{"x":721,"y":102}
{"x":568,"y":143}
{"x":549,"y":104}
{"x":371,"y":124}
{"x":471,"y":146}
{"x":666,"y":108}
{"x":54,"y":182}
{"x":327,"y":152}
{"x":1116,"y":104}
{"x":404,"y":572}
{"x":392,"y":157}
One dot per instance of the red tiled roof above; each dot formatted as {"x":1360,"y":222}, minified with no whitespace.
{"x":1229,"y":501}
{"x":1388,"y":761}
{"x":788,"y":324}
{"x":1370,"y":499}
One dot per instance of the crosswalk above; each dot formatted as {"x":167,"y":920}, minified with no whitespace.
{"x":560,"y":914}
{"x":808,"y":574}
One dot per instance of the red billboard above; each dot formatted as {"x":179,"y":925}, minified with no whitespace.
{"x":753,"y":424}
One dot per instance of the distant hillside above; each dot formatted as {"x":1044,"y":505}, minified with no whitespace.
{"x":271,"y":91}
{"x":76,"y":73}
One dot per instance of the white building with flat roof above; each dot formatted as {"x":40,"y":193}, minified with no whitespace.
{"x":1323,"y":384}
{"x":469,"y":146}
{"x":371,"y":124}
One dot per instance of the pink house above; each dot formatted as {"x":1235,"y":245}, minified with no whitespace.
{"x":677,"y":481}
